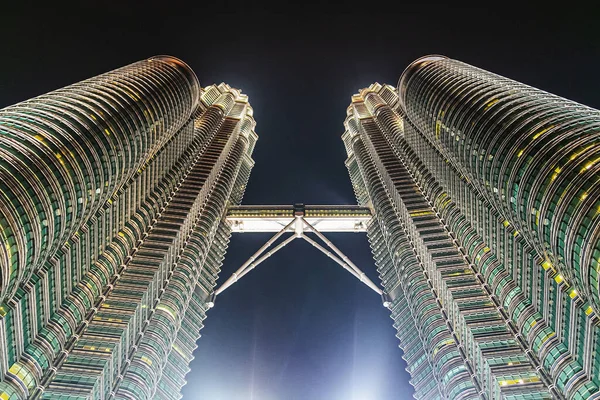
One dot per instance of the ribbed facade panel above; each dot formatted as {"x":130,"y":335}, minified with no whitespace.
{"x":516,"y":173}
{"x":533,"y":155}
{"x":116,"y":308}
{"x":436,"y":265}
{"x":65,"y":153}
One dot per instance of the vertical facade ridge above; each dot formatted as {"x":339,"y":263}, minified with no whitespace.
{"x":532,"y":157}
{"x":522,"y":327}
{"x":115,"y":310}
{"x":495,"y":184}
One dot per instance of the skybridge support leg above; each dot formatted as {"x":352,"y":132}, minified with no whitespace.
{"x":366,"y":281}
{"x":236,"y":275}
{"x":361,"y":275}
{"x":263,"y":258}
{"x":249,"y":267}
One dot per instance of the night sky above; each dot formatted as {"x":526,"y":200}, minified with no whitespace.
{"x":298,"y":327}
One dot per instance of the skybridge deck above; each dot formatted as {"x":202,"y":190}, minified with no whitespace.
{"x":274,"y":218}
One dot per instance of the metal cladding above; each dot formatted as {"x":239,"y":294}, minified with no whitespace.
{"x":111,"y":197}
{"x":534,"y":157}
{"x":487,"y":205}
{"x":64,"y":154}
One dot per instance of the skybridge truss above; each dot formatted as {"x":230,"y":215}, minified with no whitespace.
{"x":298,"y":221}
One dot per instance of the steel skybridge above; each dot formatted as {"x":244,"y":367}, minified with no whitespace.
{"x":298,"y":220}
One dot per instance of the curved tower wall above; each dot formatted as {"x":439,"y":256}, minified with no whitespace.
{"x":115,"y":303}
{"x":521,"y":165}
{"x":65,"y":153}
{"x":457,"y":342}
{"x":534,"y":157}
{"x":506,"y":179}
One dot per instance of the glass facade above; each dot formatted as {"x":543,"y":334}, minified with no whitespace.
{"x":487,"y":229}
{"x":111,"y":197}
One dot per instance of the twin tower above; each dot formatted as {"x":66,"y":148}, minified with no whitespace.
{"x":483,"y":214}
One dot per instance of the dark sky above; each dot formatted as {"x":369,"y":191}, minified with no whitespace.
{"x":298,"y":327}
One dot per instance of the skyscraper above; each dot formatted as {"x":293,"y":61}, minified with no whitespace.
{"x":112,"y":192}
{"x":486,"y":232}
